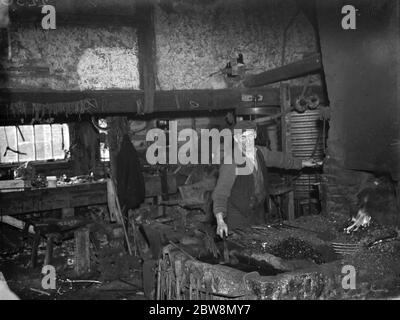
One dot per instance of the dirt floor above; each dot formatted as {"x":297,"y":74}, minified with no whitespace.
{"x":304,"y":243}
{"x":114,"y":274}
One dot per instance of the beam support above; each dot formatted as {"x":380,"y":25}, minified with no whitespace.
{"x":147,"y":55}
{"x":309,"y":65}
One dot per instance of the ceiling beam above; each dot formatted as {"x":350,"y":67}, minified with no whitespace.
{"x":118,"y":102}
{"x":78,"y":12}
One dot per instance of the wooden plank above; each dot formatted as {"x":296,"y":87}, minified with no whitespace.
{"x":16,"y":223}
{"x":311,"y":64}
{"x":14,"y":185}
{"x":36,"y":200}
{"x":111,"y":201}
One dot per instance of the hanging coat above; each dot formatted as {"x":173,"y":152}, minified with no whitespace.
{"x":130,"y":181}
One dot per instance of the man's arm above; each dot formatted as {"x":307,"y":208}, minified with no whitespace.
{"x":222,"y":191}
{"x":280,"y":159}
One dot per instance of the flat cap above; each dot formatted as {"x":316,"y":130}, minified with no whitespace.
{"x":246,"y":125}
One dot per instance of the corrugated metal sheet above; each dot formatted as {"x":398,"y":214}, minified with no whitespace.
{"x":307,"y":141}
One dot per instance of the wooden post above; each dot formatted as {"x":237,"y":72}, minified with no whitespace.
{"x":49,"y":250}
{"x":111,"y":201}
{"x":87,"y":147}
{"x":35,"y":245}
{"x":290,"y":196}
{"x":118,"y":127}
{"x":146,"y":50}
{"x":285,"y":119}
{"x":82,"y":251}
{"x":287,"y":140}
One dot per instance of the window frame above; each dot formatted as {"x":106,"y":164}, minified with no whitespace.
{"x":35,"y":161}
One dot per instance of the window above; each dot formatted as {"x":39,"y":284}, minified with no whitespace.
{"x":33,"y":142}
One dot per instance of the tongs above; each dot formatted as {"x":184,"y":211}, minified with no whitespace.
{"x":351,"y":248}
{"x":8,"y":147}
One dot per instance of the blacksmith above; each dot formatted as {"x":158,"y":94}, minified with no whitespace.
{"x":238,"y":199}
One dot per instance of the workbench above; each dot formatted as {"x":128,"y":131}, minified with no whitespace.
{"x":72,"y":196}
{"x":45,"y":199}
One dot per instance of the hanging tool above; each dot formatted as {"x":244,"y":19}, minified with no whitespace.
{"x":8,"y":146}
{"x":12,"y":150}
{"x":20,"y":132}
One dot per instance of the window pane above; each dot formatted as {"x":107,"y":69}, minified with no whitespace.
{"x":8,"y":133}
{"x":26,"y":146}
{"x":42,"y":142}
{"x":66,"y":136}
{"x":58,"y":151}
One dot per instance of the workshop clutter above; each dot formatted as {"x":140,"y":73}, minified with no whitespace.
{"x":309,"y":102}
{"x":5,"y":292}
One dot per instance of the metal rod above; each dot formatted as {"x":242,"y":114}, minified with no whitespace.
{"x":158,"y":280}
{"x":183,"y":251}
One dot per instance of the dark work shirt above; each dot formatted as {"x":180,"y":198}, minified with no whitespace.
{"x":227,"y":177}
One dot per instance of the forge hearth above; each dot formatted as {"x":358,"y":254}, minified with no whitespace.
{"x":307,"y":267}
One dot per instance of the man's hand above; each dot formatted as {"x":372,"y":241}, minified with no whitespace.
{"x":222,"y":227}
{"x":309,"y":163}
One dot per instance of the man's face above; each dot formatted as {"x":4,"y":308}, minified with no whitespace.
{"x":246,"y":140}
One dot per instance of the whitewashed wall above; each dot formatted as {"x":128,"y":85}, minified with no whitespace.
{"x":194,"y":39}
{"x":78,"y":58}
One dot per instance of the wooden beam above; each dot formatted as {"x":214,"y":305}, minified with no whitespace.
{"x":76,"y":12}
{"x":53,"y":96}
{"x":108,"y":102}
{"x":147,"y":55}
{"x":192,"y":100}
{"x":105,"y":21}
{"x":309,"y":65}
{"x":125,"y":102}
